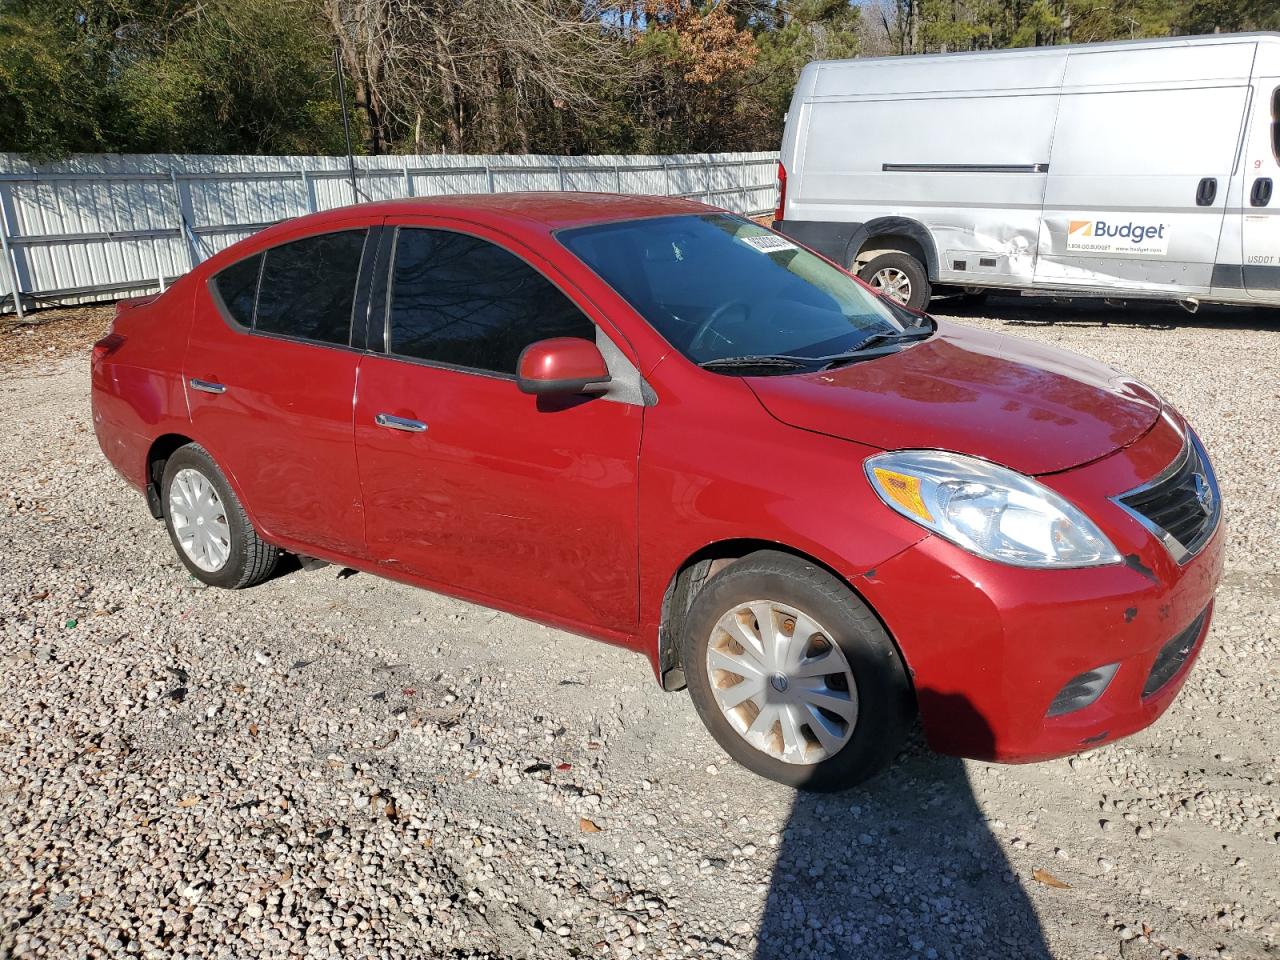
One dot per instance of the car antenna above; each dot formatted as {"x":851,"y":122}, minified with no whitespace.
{"x":356,"y":192}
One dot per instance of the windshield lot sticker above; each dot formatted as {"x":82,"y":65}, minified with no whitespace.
{"x":1117,"y":235}
{"x":769,"y":243}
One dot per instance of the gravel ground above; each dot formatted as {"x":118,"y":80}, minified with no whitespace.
{"x":336,"y":765}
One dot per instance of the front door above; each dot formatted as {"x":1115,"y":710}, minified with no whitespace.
{"x":524,"y":501}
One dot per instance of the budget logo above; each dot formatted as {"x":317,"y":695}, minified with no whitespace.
{"x":1117,"y":234}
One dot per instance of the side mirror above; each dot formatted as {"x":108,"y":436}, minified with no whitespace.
{"x":560,"y":365}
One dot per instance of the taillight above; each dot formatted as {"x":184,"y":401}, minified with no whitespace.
{"x":107,"y":346}
{"x":782,"y":193}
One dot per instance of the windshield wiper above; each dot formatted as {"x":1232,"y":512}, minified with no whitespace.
{"x":770,"y":361}
{"x":861,"y":349}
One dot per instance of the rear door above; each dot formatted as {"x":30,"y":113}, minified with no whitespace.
{"x":524,"y":501}
{"x":1144,"y":149}
{"x":270,"y":377}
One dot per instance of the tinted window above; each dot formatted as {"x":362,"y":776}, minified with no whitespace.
{"x":308,"y":286}
{"x":719,"y":286}
{"x":460,"y":300}
{"x":236,"y":286}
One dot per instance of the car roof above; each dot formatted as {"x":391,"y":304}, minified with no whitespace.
{"x":552,"y":210}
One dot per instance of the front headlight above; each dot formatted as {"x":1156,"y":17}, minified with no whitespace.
{"x":990,"y":511}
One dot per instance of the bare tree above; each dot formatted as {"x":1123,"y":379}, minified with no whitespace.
{"x":478,"y":71}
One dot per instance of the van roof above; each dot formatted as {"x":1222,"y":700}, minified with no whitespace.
{"x":1051,"y":51}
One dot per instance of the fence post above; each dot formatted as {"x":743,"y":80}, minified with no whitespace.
{"x":308,"y":192}
{"x":408,"y":181}
{"x":666,"y":179}
{"x":560,"y":172}
{"x":706,"y":170}
{"x":10,"y":259}
{"x":488,"y":177}
{"x":617,"y":178}
{"x":183,"y":222}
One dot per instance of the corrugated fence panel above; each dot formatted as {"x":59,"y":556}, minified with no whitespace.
{"x":98,"y":227}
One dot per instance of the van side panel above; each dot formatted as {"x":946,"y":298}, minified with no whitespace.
{"x":969,"y":169}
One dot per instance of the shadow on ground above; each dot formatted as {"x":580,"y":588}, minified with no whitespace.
{"x":903,"y":867}
{"x":1042,"y":311}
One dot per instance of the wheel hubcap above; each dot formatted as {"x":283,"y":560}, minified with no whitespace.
{"x":893,"y":283}
{"x":781,"y":682}
{"x":199,"y":520}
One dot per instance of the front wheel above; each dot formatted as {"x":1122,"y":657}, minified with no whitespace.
{"x":793,"y":675}
{"x":900,"y":277}
{"x":212,"y":534}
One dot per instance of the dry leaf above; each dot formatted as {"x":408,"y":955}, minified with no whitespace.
{"x":253,"y":729}
{"x":587,"y":826}
{"x":188,"y":801}
{"x":1048,"y":879}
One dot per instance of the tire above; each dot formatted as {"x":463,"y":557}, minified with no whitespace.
{"x":880,"y":701}
{"x":899,"y":276}
{"x":195,"y":496}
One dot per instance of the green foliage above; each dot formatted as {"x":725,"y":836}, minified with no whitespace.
{"x":256,"y":76}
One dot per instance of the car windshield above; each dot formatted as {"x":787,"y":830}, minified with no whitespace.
{"x":721,"y":288}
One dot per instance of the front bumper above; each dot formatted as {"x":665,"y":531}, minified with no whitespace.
{"x":989,"y":646}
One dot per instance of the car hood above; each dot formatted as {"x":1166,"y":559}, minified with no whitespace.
{"x":1031,"y":408}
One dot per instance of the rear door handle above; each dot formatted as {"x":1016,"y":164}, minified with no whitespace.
{"x":207,"y":386}
{"x":399,"y":423}
{"x":1206,"y":191}
{"x":1260,"y":195}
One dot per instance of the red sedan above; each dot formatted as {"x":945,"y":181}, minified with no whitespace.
{"x":658,"y":424}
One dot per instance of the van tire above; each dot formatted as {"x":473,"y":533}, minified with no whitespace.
{"x":899,"y":276}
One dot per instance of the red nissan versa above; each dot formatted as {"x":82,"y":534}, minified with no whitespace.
{"x":660,"y":425}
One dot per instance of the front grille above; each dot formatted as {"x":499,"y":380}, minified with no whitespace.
{"x":1172,"y":656}
{"x":1181,"y":506}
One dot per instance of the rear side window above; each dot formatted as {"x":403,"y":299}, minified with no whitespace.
{"x":237,"y":286}
{"x":308,"y":287}
{"x":467,"y":302}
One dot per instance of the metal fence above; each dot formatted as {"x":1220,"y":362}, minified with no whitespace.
{"x":102,"y":227}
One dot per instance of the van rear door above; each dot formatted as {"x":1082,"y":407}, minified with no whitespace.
{"x":1144,"y":149}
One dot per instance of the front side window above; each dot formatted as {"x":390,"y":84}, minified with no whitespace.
{"x":308,"y":286}
{"x":466,"y":302}
{"x":718,"y":286}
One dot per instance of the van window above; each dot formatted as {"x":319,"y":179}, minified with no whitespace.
{"x":1275,"y":124}
{"x":466,"y":302}
{"x":237,"y":286}
{"x":308,"y":287}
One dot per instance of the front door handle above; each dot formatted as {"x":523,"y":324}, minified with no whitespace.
{"x":399,"y":423}
{"x":207,"y":386}
{"x":1206,"y":192}
{"x":1260,"y":195}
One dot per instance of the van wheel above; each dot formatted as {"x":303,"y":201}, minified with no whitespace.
{"x":793,"y":675}
{"x":900,"y":277}
{"x":211,"y":533}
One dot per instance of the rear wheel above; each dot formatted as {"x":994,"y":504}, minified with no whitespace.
{"x":210,"y":531}
{"x":900,"y":277}
{"x":793,"y":675}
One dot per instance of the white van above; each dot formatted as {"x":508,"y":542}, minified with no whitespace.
{"x":1134,"y":169}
